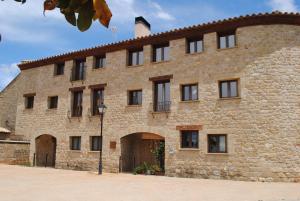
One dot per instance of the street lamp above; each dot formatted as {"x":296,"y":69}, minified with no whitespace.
{"x":101,"y":109}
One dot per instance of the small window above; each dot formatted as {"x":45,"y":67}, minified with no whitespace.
{"x":190,"y":139}
{"x":194,"y":46}
{"x":75,"y":143}
{"x":227,"y":40}
{"x":95,"y":143}
{"x":98,"y":98}
{"x":53,"y":101}
{"x":59,"y":69}
{"x":228,"y":89}
{"x":29,"y":102}
{"x":135,"y":97}
{"x":135,"y":58}
{"x":100,"y":62}
{"x":189,"y":92}
{"x":161,"y":53}
{"x":77,"y":104}
{"x":217,"y":143}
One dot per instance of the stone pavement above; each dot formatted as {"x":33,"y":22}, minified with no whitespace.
{"x":44,"y":184}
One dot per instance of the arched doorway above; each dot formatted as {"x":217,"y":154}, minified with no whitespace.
{"x":45,"y":150}
{"x":140,"y":148}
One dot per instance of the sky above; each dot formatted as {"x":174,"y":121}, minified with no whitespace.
{"x":27,"y":34}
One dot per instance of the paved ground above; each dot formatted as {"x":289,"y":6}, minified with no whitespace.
{"x":39,"y":184}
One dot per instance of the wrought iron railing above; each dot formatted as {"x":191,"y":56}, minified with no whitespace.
{"x":164,"y":106}
{"x":77,"y":111}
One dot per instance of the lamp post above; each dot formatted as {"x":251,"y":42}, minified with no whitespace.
{"x":101,"y":109}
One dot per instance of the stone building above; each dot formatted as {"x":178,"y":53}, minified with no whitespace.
{"x":223,"y":97}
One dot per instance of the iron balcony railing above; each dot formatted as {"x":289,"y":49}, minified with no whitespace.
{"x":164,"y":106}
{"x":77,"y":111}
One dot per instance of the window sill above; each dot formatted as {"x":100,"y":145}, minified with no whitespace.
{"x":228,"y":48}
{"x":93,"y":152}
{"x":189,"y":149}
{"x":194,"y":54}
{"x":190,"y":101}
{"x":76,"y":117}
{"x":160,"y":62}
{"x":77,"y":81}
{"x":51,"y":109}
{"x":161,"y":112}
{"x":75,"y":151}
{"x":133,"y":106}
{"x":221,"y":154}
{"x":231,"y":98}
{"x":135,"y":66}
{"x":96,"y":69}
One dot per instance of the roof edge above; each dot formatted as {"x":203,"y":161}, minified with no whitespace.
{"x":275,"y":17}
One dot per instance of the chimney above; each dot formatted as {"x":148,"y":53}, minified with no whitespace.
{"x":142,"y":27}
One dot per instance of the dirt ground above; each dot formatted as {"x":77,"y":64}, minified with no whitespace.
{"x":42,"y":184}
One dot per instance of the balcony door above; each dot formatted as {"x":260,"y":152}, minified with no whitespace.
{"x":162,"y":98}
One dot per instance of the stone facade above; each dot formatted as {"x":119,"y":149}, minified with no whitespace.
{"x":14,"y":152}
{"x":262,"y":124}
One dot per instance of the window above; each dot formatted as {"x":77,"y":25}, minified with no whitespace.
{"x":228,"y":88}
{"x":194,"y":46}
{"x":135,"y":58}
{"x":95,"y":143}
{"x":190,"y":139}
{"x":161,"y":53}
{"x":53,"y":102}
{"x":77,"y":104}
{"x":162,"y":101}
{"x":78,"y":71}
{"x":217,"y":143}
{"x":189,"y":92}
{"x":98,"y":98}
{"x":59,"y":69}
{"x":100,"y":62}
{"x":135,"y":97}
{"x":227,"y":40}
{"x":29,"y":102}
{"x":75,"y":143}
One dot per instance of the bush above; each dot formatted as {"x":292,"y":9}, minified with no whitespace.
{"x":146,"y":169}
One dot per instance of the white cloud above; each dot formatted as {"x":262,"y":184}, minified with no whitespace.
{"x":159,"y":12}
{"x":7,"y":73}
{"x":283,"y":5}
{"x":26,"y":23}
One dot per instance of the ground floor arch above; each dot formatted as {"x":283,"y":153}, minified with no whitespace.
{"x":140,"y":148}
{"x":45,"y":151}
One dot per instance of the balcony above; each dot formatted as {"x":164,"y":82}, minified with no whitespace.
{"x":77,"y":111}
{"x":164,"y":106}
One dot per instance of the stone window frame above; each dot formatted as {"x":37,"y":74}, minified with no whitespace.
{"x":26,"y":100}
{"x":193,"y":40}
{"x":57,"y":66}
{"x":218,"y":152}
{"x":227,"y":34}
{"x":129,"y":57}
{"x":74,"y":147}
{"x":190,"y":147}
{"x":93,"y":88}
{"x":92,"y":145}
{"x":101,"y":64}
{"x":160,"y":45}
{"x":50,"y":98}
{"x":238,"y":80}
{"x":129,"y":102}
{"x":188,"y":84}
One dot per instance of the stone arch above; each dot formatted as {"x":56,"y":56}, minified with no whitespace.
{"x":137,"y":148}
{"x":45,"y":150}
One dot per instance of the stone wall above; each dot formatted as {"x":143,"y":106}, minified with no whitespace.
{"x":14,"y":152}
{"x":262,"y":125}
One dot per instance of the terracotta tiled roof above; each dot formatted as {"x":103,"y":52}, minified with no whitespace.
{"x":214,"y":26}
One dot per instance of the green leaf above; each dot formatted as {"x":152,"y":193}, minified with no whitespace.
{"x":71,"y":18}
{"x":85,"y":16}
